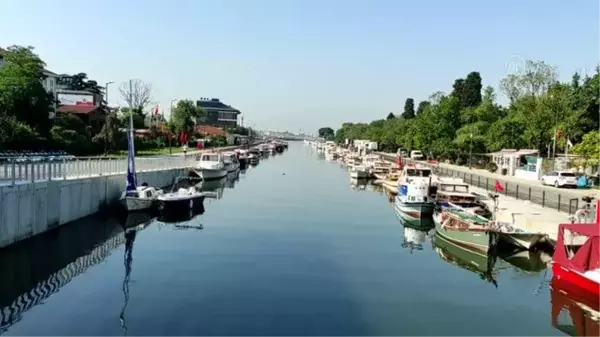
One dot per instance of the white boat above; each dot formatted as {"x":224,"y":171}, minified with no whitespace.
{"x":210,"y":166}
{"x":136,"y":198}
{"x":253,"y":157}
{"x":142,"y":198}
{"x":182,"y":201}
{"x":413,"y":192}
{"x":231,"y":162}
{"x":358,"y":172}
{"x":242,"y":156}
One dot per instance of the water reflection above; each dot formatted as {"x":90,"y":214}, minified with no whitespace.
{"x":130,"y":235}
{"x":467,"y":259}
{"x":416,"y":232}
{"x":573,"y":312}
{"x":232,"y":178}
{"x":358,"y":184}
{"x":28,"y":278}
{"x":213,"y":189}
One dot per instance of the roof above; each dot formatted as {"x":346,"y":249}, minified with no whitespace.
{"x":215,"y":104}
{"x":208,"y":130}
{"x":77,"y":109}
{"x":513,"y":152}
{"x":587,"y":257}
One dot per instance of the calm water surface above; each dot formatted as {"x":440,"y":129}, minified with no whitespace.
{"x":289,"y":249}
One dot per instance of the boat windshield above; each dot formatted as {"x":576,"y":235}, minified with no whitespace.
{"x":413,"y":172}
{"x":454,"y":188}
{"x":210,"y":157}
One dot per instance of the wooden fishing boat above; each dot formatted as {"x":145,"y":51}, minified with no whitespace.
{"x":467,"y":230}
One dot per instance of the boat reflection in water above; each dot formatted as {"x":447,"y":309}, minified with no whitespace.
{"x":232,"y":178}
{"x":358,"y":184}
{"x":29,"y":278}
{"x":573,"y":312}
{"x":525,"y":260}
{"x":465,"y":258}
{"x":213,"y":189}
{"x":416,"y":232}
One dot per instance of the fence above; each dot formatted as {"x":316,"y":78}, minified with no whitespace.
{"x":12,"y":171}
{"x":560,"y":200}
{"x":552,"y":199}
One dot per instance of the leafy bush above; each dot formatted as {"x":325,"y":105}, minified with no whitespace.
{"x":492,"y":167}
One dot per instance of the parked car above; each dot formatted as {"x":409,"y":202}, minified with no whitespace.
{"x":416,"y":155}
{"x":560,"y":179}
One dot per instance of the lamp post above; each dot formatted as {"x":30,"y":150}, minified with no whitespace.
{"x":170,"y":117}
{"x":471,"y":151}
{"x":107,"y":116}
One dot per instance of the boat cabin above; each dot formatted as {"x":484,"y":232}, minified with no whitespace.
{"x":416,"y":171}
{"x":456,"y":193}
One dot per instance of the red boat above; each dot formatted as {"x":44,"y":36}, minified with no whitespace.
{"x":573,"y":312}
{"x":577,"y":263}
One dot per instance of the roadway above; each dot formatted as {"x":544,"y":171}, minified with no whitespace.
{"x":563,"y":199}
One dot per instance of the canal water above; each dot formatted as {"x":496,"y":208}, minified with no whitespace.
{"x":288,"y":247}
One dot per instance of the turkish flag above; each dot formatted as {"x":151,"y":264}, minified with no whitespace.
{"x":156,"y":110}
{"x":498,"y":187}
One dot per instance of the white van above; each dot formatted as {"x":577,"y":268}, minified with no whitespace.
{"x":416,"y":155}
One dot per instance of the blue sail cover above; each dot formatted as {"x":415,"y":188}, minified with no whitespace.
{"x":130,"y":164}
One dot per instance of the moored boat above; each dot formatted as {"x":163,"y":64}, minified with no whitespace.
{"x":210,"y":166}
{"x":578,"y":266}
{"x":136,"y":198}
{"x":465,"y":229}
{"x":358,"y":172}
{"x":231,"y":162}
{"x":182,"y":201}
{"x":413,"y":190}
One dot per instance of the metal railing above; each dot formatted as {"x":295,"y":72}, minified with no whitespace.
{"x":18,"y":172}
{"x":560,"y":200}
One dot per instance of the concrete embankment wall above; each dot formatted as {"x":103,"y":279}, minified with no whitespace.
{"x":32,"y":208}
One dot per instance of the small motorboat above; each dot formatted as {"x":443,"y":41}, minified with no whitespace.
{"x":141,"y":198}
{"x":242,"y":156}
{"x":210,"y":166}
{"x":231,"y":162}
{"x":359,"y":172}
{"x":181,"y":201}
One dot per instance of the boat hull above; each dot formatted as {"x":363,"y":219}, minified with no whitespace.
{"x":177,"y":208}
{"x":523,"y":240}
{"x":358,"y":174}
{"x":232,"y":167}
{"x":416,"y":210}
{"x":132,"y":204}
{"x":473,"y":240}
{"x":576,"y":279}
{"x":207,"y":174}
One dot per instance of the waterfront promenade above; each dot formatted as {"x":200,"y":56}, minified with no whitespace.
{"x":14,"y":172}
{"x":561,"y":199}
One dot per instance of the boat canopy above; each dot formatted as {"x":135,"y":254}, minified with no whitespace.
{"x":587,"y":257}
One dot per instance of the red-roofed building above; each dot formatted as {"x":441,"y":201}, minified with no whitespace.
{"x":208,"y":131}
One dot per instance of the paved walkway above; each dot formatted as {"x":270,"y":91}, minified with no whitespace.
{"x":563,"y":199}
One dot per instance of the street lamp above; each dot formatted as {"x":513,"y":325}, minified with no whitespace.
{"x":171,"y":116}
{"x":106,"y":118}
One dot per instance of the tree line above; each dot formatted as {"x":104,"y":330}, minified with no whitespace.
{"x":469,"y":119}
{"x":26,"y":106}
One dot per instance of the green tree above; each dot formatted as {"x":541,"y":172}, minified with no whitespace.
{"x":110,"y":137}
{"x":326,"y":132}
{"x":472,"y":90}
{"x":390,"y":116}
{"x":589,"y":149}
{"x":422,"y":106}
{"x":184,"y":116}
{"x":22,"y":94}
{"x":138,"y":116}
{"x":409,"y":109}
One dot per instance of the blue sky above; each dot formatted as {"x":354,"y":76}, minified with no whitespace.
{"x":303,"y":64}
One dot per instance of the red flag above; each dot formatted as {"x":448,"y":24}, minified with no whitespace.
{"x":156,"y":110}
{"x":498,"y":187}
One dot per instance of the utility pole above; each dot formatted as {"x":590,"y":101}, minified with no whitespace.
{"x":106,"y":126}
{"x":171,"y":118}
